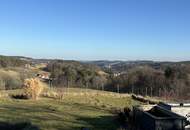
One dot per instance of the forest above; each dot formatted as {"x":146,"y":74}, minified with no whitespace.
{"x":168,"y":80}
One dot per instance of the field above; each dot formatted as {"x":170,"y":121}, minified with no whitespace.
{"x":78,"y":108}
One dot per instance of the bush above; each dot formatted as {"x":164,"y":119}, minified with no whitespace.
{"x":32,"y":88}
{"x":9,"y":80}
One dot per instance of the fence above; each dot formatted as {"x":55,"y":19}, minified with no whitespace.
{"x":146,"y":91}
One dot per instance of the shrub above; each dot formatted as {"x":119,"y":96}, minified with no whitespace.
{"x":9,"y":80}
{"x":32,"y":88}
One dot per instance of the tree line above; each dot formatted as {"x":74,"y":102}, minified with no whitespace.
{"x":168,"y":80}
{"x":7,"y":61}
{"x":75,"y":74}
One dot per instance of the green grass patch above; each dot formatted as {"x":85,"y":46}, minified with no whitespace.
{"x":71,"y":113}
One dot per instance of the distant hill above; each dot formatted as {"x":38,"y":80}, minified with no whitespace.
{"x":114,"y":66}
{"x":120,"y":66}
{"x":33,"y":60}
{"x":9,"y":61}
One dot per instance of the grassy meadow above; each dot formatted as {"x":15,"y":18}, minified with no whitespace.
{"x":78,"y":108}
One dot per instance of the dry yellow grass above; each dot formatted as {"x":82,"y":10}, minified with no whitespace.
{"x":102,"y":73}
{"x":32,"y":88}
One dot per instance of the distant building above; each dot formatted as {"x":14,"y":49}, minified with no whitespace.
{"x":43,"y":76}
{"x":155,"y":117}
{"x":27,"y":66}
{"x":119,"y":73}
{"x":116,"y":74}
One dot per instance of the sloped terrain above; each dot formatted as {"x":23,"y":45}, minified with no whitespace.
{"x":89,"y":109}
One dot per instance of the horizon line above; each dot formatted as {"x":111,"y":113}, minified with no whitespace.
{"x":83,"y":60}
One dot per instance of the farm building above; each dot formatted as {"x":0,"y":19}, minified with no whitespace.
{"x":156,"y":117}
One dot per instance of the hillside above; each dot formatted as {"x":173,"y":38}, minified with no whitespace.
{"x":94,"y":110}
{"x":120,"y":66}
{"x":9,"y":61}
{"x":161,"y":79}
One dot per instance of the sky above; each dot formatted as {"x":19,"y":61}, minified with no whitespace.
{"x":96,"y":29}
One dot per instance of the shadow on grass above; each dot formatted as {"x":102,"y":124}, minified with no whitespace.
{"x":99,"y":123}
{"x":80,"y":115}
{"x":24,"y":97}
{"x":17,"y":126}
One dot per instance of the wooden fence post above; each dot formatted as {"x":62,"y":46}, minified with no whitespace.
{"x":118,"y":88}
{"x":151,"y":91}
{"x":146,"y":91}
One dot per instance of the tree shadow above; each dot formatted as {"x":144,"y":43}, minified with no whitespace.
{"x":99,"y":123}
{"x":17,"y":126}
{"x":89,"y":120}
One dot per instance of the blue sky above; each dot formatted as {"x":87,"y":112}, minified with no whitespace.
{"x":96,"y":29}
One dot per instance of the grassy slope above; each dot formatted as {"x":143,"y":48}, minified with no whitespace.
{"x":71,"y":113}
